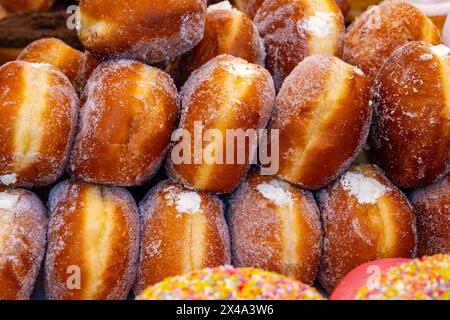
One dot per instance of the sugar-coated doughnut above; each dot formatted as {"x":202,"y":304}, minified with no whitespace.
{"x":410,"y":138}
{"x":427,"y":278}
{"x":182,"y":231}
{"x":368,"y":272}
{"x":58,"y":54}
{"x":365,"y":217}
{"x":129,"y":113}
{"x":432,"y":204}
{"x":93,"y":242}
{"x":322,"y":126}
{"x":38,"y":108}
{"x":225,"y":93}
{"x":227,"y":31}
{"x":295,"y":29}
{"x":150,"y":31}
{"x":228,"y":283}
{"x":22,"y":6}
{"x":436,"y":10}
{"x":275,"y":226}
{"x":23,"y":228}
{"x":376,"y":33}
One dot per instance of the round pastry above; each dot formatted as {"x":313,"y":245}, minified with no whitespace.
{"x":227,"y":30}
{"x":58,"y":54}
{"x":410,"y":138}
{"x":22,"y":6}
{"x":23,"y":227}
{"x":150,"y":31}
{"x":182,"y":231}
{"x":125,"y":124}
{"x":365,"y":218}
{"x":295,"y":29}
{"x":93,"y":242}
{"x":222,"y":101}
{"x":228,"y":283}
{"x":38,"y":108}
{"x":367,"y":273}
{"x":275,"y":226}
{"x":375,"y":34}
{"x":322,"y":126}
{"x":427,"y":278}
{"x":432,"y":205}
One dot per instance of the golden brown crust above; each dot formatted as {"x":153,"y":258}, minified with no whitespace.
{"x":125,"y":124}
{"x":93,"y":242}
{"x":21,"y":6}
{"x":182,"y":231}
{"x":58,"y":54}
{"x":411,"y":130}
{"x":322,"y":127}
{"x":295,"y":29}
{"x":375,"y":34}
{"x":432,"y":205}
{"x":39,"y":115}
{"x":275,"y":226}
{"x":225,"y":93}
{"x":227,"y":31}
{"x":89,"y":64}
{"x":365,"y":217}
{"x":23,"y":227}
{"x":150,"y":31}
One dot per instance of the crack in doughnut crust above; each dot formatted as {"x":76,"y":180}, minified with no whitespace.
{"x":149,"y":31}
{"x":23,"y":228}
{"x":323,"y":127}
{"x":182,"y":231}
{"x":227,"y":31}
{"x":225,"y":93}
{"x":432,"y":204}
{"x":93,"y":242}
{"x":275,"y":226}
{"x":125,"y":124}
{"x":365,"y":218}
{"x":410,"y":137}
{"x":39,"y":116}
{"x":376,"y":33}
{"x":295,"y":29}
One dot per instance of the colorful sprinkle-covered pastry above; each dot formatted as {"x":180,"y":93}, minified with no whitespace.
{"x":427,"y":278}
{"x":228,"y":283}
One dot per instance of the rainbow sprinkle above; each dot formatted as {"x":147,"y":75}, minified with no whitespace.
{"x":427,"y":278}
{"x":228,"y":283}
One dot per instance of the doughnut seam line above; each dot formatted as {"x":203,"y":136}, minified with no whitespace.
{"x":328,"y":105}
{"x":98,"y":231}
{"x":30,"y":116}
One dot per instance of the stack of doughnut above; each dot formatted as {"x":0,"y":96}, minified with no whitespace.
{"x":128,"y":139}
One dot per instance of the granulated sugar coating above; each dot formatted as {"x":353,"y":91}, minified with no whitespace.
{"x":228,"y":283}
{"x":427,"y":278}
